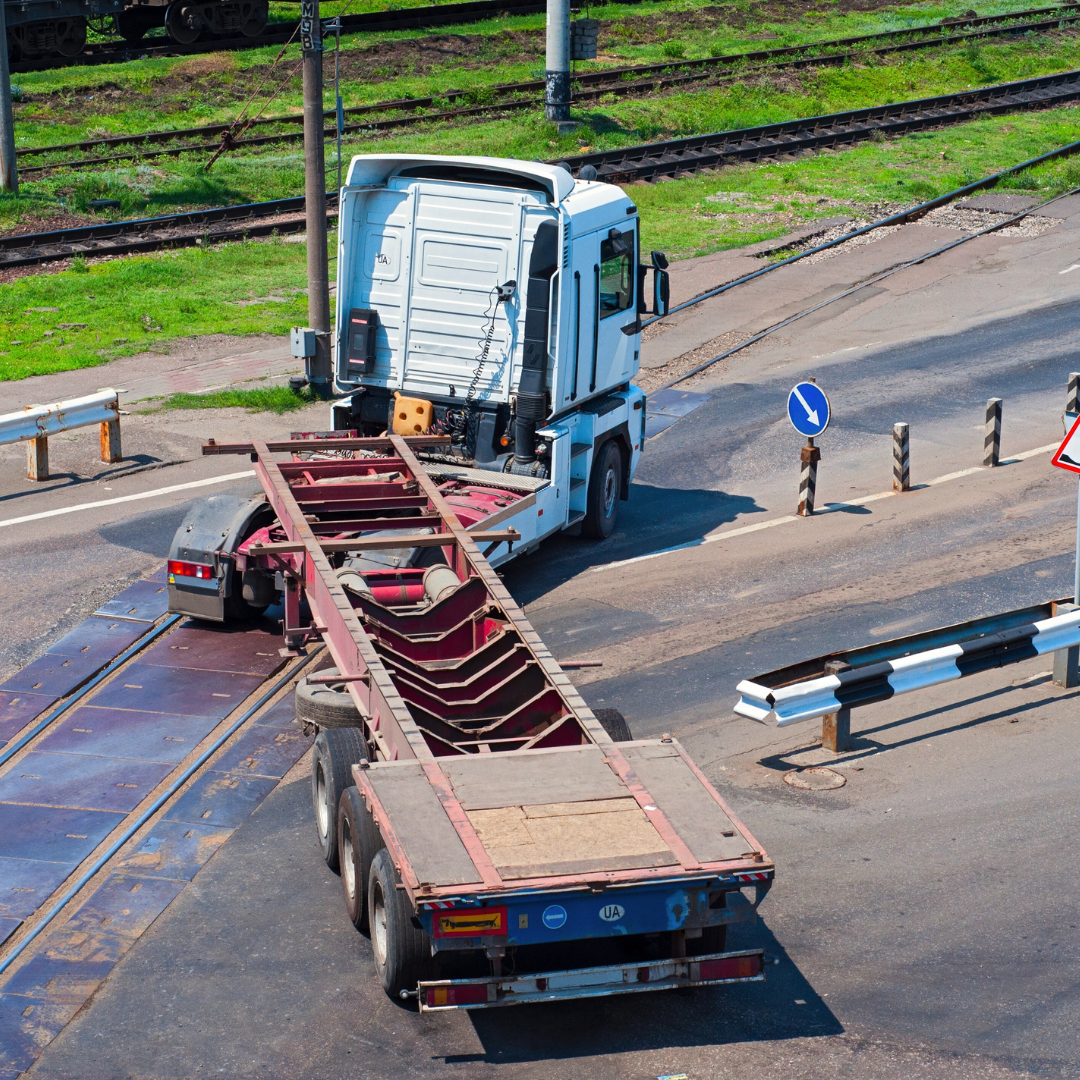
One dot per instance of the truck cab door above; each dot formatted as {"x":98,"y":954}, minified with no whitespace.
{"x":614,"y":306}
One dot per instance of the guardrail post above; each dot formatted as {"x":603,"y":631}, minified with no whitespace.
{"x":901,"y":468}
{"x":110,"y":442}
{"x":1072,"y":398}
{"x":1066,"y":661}
{"x":810,"y":455}
{"x":992,"y":439}
{"x":836,"y":727}
{"x":37,"y":458}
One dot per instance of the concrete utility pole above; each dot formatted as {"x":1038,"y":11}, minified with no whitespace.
{"x":319,"y":371}
{"x":557,"y":75}
{"x":9,"y":174}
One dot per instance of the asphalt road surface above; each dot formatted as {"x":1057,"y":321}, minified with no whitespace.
{"x":924,"y":917}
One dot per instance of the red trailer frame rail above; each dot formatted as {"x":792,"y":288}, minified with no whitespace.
{"x":465,"y":712}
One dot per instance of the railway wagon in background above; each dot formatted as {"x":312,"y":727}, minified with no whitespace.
{"x":38,"y":29}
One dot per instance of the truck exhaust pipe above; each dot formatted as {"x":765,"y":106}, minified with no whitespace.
{"x":531,"y":396}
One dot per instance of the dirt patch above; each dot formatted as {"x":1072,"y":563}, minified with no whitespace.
{"x":48,"y":221}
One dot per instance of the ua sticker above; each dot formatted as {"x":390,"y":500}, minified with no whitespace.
{"x":612,"y":912}
{"x":554,"y":917}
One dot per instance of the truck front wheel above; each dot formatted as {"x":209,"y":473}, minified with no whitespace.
{"x":402,"y":950}
{"x":605,"y":482}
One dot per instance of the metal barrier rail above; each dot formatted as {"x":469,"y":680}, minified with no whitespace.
{"x":830,"y":686}
{"x":36,"y":423}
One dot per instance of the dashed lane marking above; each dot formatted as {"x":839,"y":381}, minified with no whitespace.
{"x":829,"y":508}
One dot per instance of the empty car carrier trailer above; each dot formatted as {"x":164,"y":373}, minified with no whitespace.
{"x":501,"y":843}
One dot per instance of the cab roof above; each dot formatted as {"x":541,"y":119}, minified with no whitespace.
{"x":376,"y":169}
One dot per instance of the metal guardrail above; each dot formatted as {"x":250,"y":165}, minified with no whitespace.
{"x":830,"y":686}
{"x":36,"y":423}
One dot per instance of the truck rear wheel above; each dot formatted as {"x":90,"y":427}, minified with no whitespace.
{"x":334,"y":753}
{"x":359,"y":841}
{"x":402,"y":951}
{"x":605,"y":483}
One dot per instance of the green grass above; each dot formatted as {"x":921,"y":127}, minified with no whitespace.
{"x":91,"y":314}
{"x":275,"y":399}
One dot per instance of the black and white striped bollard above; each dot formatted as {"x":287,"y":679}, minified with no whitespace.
{"x":901,"y":458}
{"x":810,"y":455}
{"x":992,"y":439}
{"x":1072,"y":398}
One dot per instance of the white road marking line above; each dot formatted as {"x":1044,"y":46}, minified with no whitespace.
{"x":129,"y":498}
{"x":1075,"y":266}
{"x":829,"y":508}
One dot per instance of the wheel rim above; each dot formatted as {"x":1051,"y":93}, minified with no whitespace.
{"x":321,"y":811}
{"x":611,"y":487}
{"x":348,"y":870}
{"x":378,"y":926}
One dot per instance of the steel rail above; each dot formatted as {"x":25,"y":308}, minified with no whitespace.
{"x":1074,"y":147}
{"x":588,"y":86}
{"x":901,"y":218}
{"x":697,"y":152}
{"x":133,"y":827}
{"x":91,"y":684}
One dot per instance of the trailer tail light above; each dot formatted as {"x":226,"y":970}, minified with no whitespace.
{"x":190,"y":569}
{"x":436,"y":997}
{"x":737,"y":967}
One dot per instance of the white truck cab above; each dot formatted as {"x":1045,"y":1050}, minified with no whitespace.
{"x":497,"y":301}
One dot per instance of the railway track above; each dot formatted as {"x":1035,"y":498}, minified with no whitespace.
{"x":511,"y":97}
{"x":136,"y":745}
{"x":652,"y":161}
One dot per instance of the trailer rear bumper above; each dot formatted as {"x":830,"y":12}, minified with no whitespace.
{"x":712,"y":970}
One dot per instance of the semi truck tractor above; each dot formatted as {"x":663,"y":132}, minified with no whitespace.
{"x":499,"y":841}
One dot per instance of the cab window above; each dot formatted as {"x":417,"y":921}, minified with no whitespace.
{"x":616,"y":273}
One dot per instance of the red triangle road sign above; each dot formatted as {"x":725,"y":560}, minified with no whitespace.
{"x":1068,"y":454}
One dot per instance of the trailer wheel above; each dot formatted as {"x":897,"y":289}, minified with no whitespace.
{"x":333,"y":754}
{"x":602,"y":503}
{"x":614,"y":723}
{"x":402,"y":951}
{"x":359,"y":840}
{"x":327,"y":705}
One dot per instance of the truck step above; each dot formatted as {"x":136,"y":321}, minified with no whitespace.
{"x":576,"y":482}
{"x":574,"y":517}
{"x":579,"y":448}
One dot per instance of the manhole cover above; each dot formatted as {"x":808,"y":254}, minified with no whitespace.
{"x":818,"y":779}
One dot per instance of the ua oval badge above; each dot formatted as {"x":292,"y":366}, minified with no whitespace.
{"x":554,"y":916}
{"x":612,"y":912}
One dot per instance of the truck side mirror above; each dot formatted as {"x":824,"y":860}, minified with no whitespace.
{"x":661,"y":285}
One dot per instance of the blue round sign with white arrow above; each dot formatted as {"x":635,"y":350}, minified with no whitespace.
{"x":808,"y":409}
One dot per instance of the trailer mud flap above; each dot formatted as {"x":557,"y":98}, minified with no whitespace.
{"x":712,"y":970}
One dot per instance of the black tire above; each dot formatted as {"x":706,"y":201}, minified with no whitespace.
{"x":176,"y":26}
{"x":131,"y":27}
{"x":605,"y":485}
{"x":359,"y":841}
{"x":614,"y":723}
{"x":331,"y":759}
{"x":713,"y":940}
{"x":327,"y":705}
{"x":402,"y":951}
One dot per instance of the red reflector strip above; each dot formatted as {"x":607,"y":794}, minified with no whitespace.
{"x":737,"y":967}
{"x":190,"y":569}
{"x":456,"y":995}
